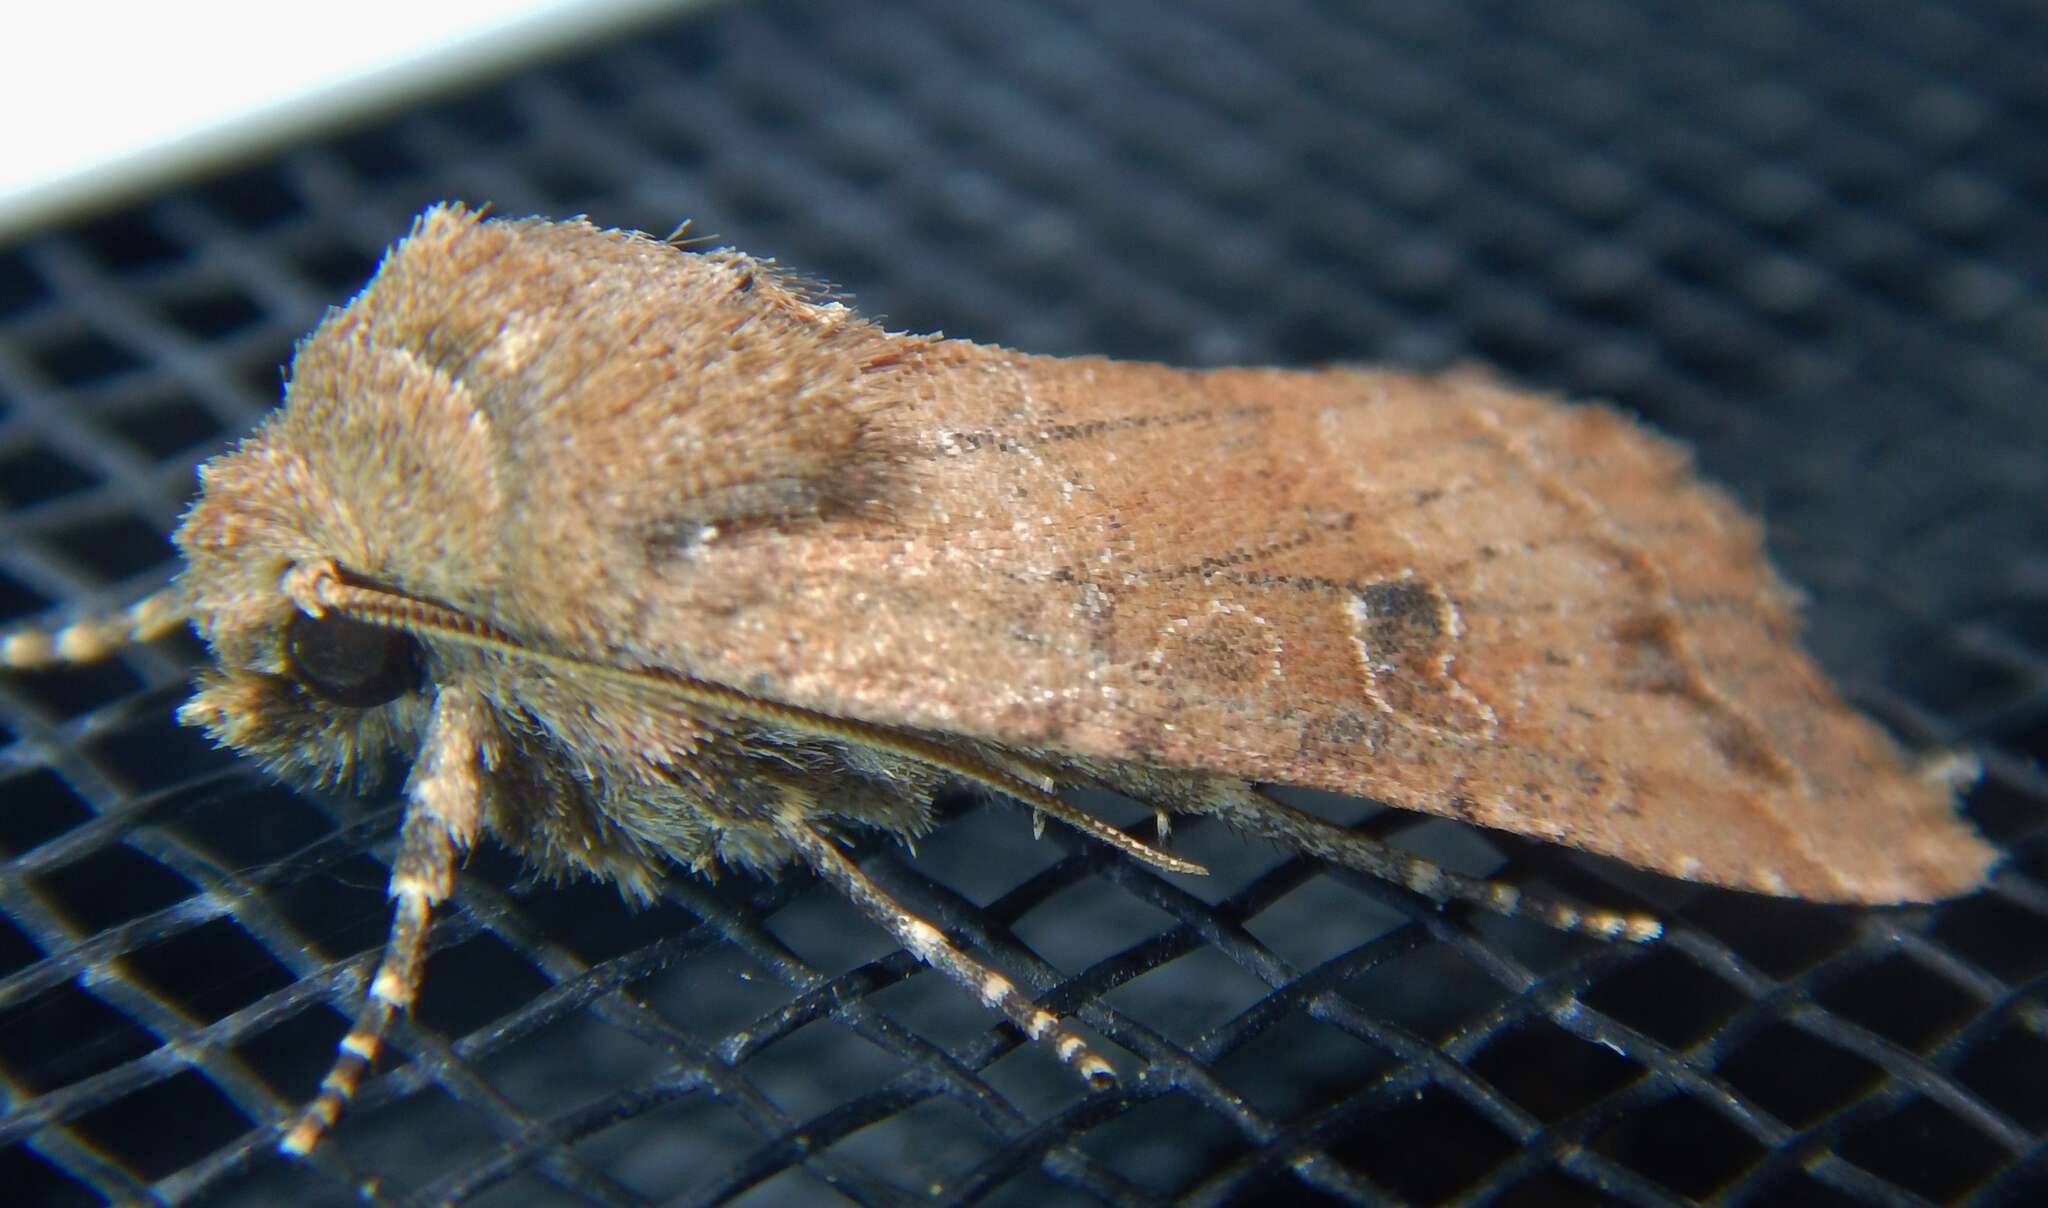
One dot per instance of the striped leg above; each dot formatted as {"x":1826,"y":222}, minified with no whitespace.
{"x":444,"y":811}
{"x":90,"y":639}
{"x":931,"y":946}
{"x":1256,"y":813}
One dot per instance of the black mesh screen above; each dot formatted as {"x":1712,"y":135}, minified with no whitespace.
{"x":1808,"y":238}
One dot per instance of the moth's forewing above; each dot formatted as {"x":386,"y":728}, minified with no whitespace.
{"x":1433,"y":592}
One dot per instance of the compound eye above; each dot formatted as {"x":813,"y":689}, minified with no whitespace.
{"x":348,"y":662}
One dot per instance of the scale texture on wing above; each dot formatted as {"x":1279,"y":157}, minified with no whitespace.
{"x":1431,"y":592}
{"x":1435,"y":592}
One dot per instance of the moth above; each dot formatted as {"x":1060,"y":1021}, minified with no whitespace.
{"x":649,"y":557}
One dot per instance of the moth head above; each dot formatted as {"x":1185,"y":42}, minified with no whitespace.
{"x":324,"y":699}
{"x":379,"y":463}
{"x":313,"y":694}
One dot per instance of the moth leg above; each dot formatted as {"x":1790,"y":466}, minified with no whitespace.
{"x":444,"y":810}
{"x":1254,"y":812}
{"x":931,"y":946}
{"x":90,"y":639}
{"x":1037,"y":786}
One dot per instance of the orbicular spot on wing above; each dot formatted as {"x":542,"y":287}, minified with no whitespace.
{"x":1660,"y":662}
{"x":1405,"y":632}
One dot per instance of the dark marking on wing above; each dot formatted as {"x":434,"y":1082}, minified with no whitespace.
{"x":1011,"y":442}
{"x":1407,"y":632}
{"x":1660,"y":664}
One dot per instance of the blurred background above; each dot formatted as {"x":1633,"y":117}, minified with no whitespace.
{"x":1807,"y":239}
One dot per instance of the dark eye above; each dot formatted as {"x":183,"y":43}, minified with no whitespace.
{"x":349,"y":662}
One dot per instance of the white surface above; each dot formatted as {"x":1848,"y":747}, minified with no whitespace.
{"x":98,"y":101}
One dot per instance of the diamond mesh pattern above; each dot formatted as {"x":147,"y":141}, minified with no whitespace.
{"x":1810,"y":239}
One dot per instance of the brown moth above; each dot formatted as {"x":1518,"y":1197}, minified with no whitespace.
{"x":649,"y":558}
